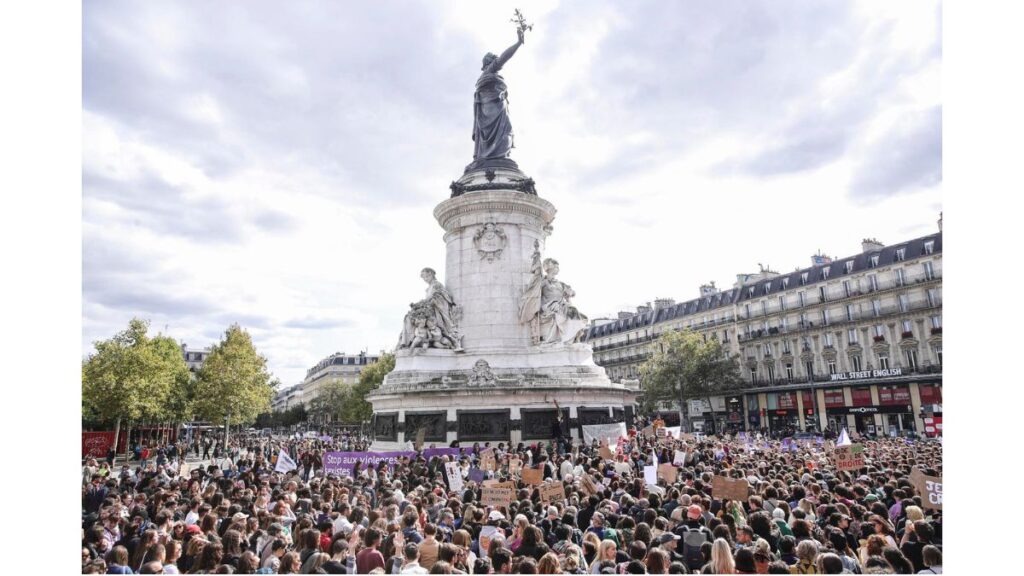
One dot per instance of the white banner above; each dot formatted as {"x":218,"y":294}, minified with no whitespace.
{"x":284,"y":462}
{"x":454,"y":474}
{"x":610,"y":432}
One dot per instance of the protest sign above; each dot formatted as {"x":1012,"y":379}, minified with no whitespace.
{"x":533,"y":476}
{"x":673,"y":431}
{"x":929,"y":487}
{"x":552,"y":492}
{"x":495,"y":496}
{"x":729,"y":488}
{"x":587,"y":485}
{"x":599,"y":432}
{"x":606,"y":453}
{"x":477,"y":475}
{"x":429,"y":453}
{"x":487,"y":461}
{"x":680,"y":458}
{"x":343,"y":463}
{"x":686,"y":436}
{"x":453,"y":474}
{"x":494,"y":483}
{"x":515,"y":466}
{"x":651,"y":475}
{"x":849,"y":457}
{"x":668,"y":472}
{"x":284,"y":462}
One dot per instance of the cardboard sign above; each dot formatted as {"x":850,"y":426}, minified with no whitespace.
{"x":587,"y":485}
{"x":680,"y":458}
{"x":495,"y":496}
{"x":929,"y":487}
{"x":507,"y":484}
{"x":487,"y":461}
{"x":533,"y":476}
{"x":668,"y":472}
{"x":661,"y":432}
{"x":730,"y":489}
{"x":849,"y":457}
{"x":453,"y":474}
{"x":606,"y":453}
{"x":552,"y":492}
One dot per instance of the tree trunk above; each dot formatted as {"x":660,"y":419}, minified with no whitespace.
{"x":117,"y":436}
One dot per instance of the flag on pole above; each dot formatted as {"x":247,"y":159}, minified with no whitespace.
{"x":844,"y":439}
{"x":284,"y":462}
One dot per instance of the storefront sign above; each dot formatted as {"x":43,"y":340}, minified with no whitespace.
{"x":898,"y":409}
{"x":887,"y":373}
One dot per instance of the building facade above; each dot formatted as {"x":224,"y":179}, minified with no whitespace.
{"x":194,"y":357}
{"x":852,"y":342}
{"x":338,"y":367}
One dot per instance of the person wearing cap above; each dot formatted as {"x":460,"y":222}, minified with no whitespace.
{"x":668,"y":542}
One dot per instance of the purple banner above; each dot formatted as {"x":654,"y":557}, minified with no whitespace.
{"x":429,"y":453}
{"x":342,"y":463}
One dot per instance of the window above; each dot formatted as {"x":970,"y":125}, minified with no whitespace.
{"x":907,"y":327}
{"x":824,"y":317}
{"x":893,"y":395}
{"x":861,"y":397}
{"x":784,"y":324}
{"x":809,"y":367}
{"x":803,"y":321}
{"x":873,"y":282}
{"x":767,"y":350}
{"x":849,"y":266}
{"x":879,"y":330}
{"x":831,"y":366}
{"x":771,"y":374}
{"x":936,"y":321}
{"x":806,"y":343}
{"x":899,"y":277}
{"x":855,"y":362}
{"x":824,"y":273}
{"x":767,"y":287}
{"x":911,"y":358}
{"x":901,"y":254}
{"x":782,"y":302}
{"x":930,"y":394}
{"x":929,"y":272}
{"x":933,"y":297}
{"x":821,"y":294}
{"x":851,"y":312}
{"x":753,"y":375}
{"x":750,"y":292}
{"x":876,"y":307}
{"x":764,"y":307}
{"x":803,"y":278}
{"x":803,"y":298}
{"x":929,"y":247}
{"x":904,"y":301}
{"x":883,"y":361}
{"x":746,"y":310}
{"x":785,"y":283}
{"x":851,"y":336}
{"x":786,"y":348}
{"x":834,"y":399}
{"x":828,"y":339}
{"x":937,"y":350}
{"x":847,"y":290}
{"x":789,"y":371}
{"x":873,"y":260}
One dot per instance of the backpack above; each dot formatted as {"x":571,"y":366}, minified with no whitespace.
{"x":692,"y":542}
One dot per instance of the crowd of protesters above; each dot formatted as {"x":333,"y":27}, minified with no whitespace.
{"x":236,"y":514}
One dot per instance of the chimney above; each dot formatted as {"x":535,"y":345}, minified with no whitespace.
{"x":624,"y":315}
{"x":660,"y":303}
{"x":643,"y":308}
{"x":708,"y":289}
{"x":872,"y":245}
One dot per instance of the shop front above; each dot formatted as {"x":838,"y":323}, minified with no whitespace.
{"x":753,"y":413}
{"x":898,"y":413}
{"x":733,"y":414}
{"x":783,"y":416}
{"x":835,"y":401}
{"x":931,"y":409}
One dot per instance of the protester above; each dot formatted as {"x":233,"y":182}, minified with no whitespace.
{"x":289,"y":505}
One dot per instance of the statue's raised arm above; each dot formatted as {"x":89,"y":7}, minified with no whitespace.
{"x":497,"y":63}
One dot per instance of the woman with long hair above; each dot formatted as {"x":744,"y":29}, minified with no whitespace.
{"x":873,"y":547}
{"x":289,"y":564}
{"x":657,"y":561}
{"x":606,"y":551}
{"x":549,"y":564}
{"x":313,"y":564}
{"x":209,"y":559}
{"x":721,"y":559}
{"x":885,"y":529}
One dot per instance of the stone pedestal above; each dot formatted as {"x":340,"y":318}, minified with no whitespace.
{"x":502,"y":386}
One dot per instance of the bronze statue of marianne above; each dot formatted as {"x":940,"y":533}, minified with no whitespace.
{"x":492,"y":129}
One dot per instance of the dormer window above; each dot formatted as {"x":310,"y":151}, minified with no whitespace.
{"x":901,"y":254}
{"x":849,"y":266}
{"x":750,"y":292}
{"x":785,"y":283}
{"x":874,"y":260}
{"x":767,"y":288}
{"x":824,"y":273}
{"x":929,"y":247}
{"x":803,"y":278}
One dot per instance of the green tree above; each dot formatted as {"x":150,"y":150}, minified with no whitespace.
{"x":331,"y":400}
{"x":132,"y":377}
{"x":684,"y":366}
{"x":357,"y":409}
{"x":234,"y":384}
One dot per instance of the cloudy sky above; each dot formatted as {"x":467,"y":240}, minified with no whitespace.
{"x":277,"y":164}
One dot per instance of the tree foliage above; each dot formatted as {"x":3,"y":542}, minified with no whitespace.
{"x":357,"y":408}
{"x":134,"y":377}
{"x":685,"y":366}
{"x":234,"y":382}
{"x":331,"y":401}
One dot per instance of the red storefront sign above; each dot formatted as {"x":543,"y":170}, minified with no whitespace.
{"x":933,"y":426}
{"x":96,"y":444}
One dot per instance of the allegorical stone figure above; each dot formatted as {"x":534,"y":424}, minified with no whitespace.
{"x":547,"y":305}
{"x":434,"y":321}
{"x":492,"y":130}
